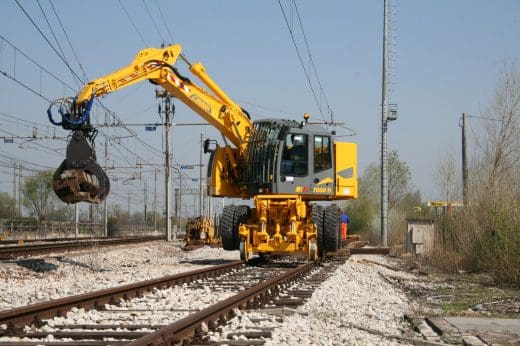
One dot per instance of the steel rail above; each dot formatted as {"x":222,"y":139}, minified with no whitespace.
{"x":10,"y":252}
{"x":219,"y":312}
{"x":37,"y":312}
{"x":69,"y":239}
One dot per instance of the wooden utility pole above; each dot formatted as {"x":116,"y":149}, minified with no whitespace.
{"x":464,"y":163}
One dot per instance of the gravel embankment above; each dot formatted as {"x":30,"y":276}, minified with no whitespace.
{"x":354,"y":298}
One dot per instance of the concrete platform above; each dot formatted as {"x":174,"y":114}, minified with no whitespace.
{"x":509,"y":325}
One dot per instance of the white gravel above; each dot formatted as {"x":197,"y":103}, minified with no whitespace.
{"x":354,"y":298}
{"x":59,"y":276}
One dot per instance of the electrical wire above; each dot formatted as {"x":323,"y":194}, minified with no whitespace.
{"x":153,"y":21}
{"x":329,"y":109}
{"x":68,"y":40}
{"x":164,"y":21}
{"x":52,"y":32}
{"x":133,"y":23}
{"x":301,"y":60}
{"x":78,"y":79}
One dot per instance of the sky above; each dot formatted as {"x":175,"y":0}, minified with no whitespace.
{"x":447,"y":58}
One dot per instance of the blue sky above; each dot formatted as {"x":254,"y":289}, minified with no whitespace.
{"x":449,"y":55}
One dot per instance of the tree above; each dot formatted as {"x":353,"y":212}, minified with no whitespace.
{"x":446,"y":177}
{"x":399,"y":180}
{"x":502,"y":149}
{"x":7,"y":204}
{"x":38,"y":195}
{"x":365,"y":211}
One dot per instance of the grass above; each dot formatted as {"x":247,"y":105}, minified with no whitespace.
{"x":470,"y":294}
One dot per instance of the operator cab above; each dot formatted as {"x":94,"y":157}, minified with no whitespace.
{"x":288,"y":157}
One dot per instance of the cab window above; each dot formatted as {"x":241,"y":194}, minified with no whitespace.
{"x":322,"y":153}
{"x":294,"y":155}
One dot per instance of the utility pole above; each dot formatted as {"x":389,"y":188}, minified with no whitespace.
{"x":105,"y":210}
{"x":20,"y":190}
{"x":145,"y":201}
{"x":76,"y":212}
{"x":384,"y":178}
{"x":128,"y":206}
{"x":179,"y":215}
{"x":14,"y":191}
{"x":168,"y":111}
{"x":201,"y":195}
{"x":155,"y":200}
{"x":464,"y":163}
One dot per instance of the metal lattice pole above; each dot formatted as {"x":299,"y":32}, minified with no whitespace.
{"x":384,"y":177}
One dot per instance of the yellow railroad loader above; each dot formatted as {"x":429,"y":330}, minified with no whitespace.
{"x":201,"y":231}
{"x":283,"y":165}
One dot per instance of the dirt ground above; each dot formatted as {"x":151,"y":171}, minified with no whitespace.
{"x":438,"y":295}
{"x":460,"y":294}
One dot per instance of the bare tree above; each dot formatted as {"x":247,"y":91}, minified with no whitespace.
{"x":446,"y":176}
{"x":502,"y":152}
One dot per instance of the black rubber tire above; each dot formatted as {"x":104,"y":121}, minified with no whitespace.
{"x":317,"y":218}
{"x":330,"y":229}
{"x":240,"y":216}
{"x":226,"y":227}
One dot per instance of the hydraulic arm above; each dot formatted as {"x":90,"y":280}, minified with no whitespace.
{"x":79,"y":178}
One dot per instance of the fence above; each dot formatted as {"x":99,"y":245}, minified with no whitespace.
{"x":29,"y":229}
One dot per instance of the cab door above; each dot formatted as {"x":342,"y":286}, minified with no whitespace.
{"x":322,"y":173}
{"x":294,"y":164}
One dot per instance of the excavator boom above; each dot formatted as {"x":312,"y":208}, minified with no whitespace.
{"x":81,"y":179}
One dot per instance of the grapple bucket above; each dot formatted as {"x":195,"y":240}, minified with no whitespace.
{"x":79,"y":178}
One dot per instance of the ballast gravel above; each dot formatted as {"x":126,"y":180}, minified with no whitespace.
{"x":30,"y":281}
{"x":353,"y":300}
{"x":353,"y":307}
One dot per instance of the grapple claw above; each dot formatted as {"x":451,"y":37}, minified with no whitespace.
{"x":79,"y":178}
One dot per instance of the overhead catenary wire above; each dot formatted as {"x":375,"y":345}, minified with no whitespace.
{"x":122,"y":147}
{"x":322,"y":92}
{"x":74,"y":74}
{"x":300,"y":58}
{"x":132,"y":22}
{"x":68,"y":40}
{"x":153,"y":21}
{"x":164,"y":21}
{"x":54,"y":35}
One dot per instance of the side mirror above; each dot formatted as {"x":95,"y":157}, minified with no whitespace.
{"x":210,"y":145}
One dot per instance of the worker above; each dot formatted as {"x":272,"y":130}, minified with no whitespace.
{"x":345,"y":220}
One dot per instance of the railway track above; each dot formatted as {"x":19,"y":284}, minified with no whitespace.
{"x":43,"y":240}
{"x":192,"y":307}
{"x":10,"y":252}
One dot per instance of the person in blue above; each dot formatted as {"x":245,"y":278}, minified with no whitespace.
{"x":345,"y":220}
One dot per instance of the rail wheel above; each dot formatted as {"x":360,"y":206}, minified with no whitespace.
{"x":331,"y":227}
{"x":313,"y":251}
{"x":244,"y":251}
{"x":317,"y":218}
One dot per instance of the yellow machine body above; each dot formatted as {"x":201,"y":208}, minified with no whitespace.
{"x":264,"y":160}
